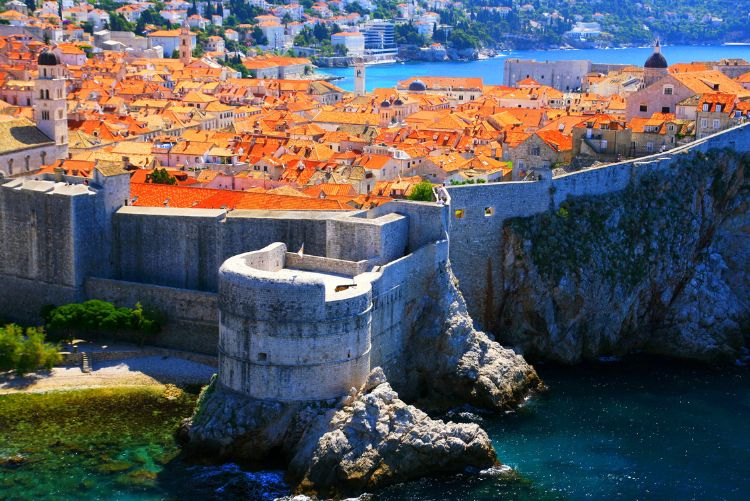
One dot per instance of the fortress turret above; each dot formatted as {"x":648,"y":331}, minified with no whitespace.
{"x":290,"y":333}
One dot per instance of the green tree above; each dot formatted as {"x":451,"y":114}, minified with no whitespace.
{"x":26,"y":352}
{"x":259,"y":37}
{"x":422,"y":192}
{"x":460,"y":39}
{"x":35,"y":353}
{"x":356,"y":7}
{"x":407,"y":34}
{"x":31,"y":5}
{"x":96,"y":316}
{"x":161,"y":176}
{"x":11,"y":338}
{"x":117,"y":22}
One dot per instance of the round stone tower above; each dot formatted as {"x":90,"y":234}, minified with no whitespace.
{"x":291,"y":334}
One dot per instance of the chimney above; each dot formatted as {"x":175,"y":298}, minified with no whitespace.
{"x":59,"y":171}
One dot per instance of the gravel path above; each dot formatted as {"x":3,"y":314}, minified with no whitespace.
{"x":140,"y":371}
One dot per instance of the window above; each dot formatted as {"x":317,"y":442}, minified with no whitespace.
{"x":59,"y":113}
{"x":650,"y":146}
{"x":718,"y":108}
{"x":716,"y":124}
{"x":26,"y":162}
{"x":262,"y":357}
{"x":668,"y":89}
{"x":535,"y":150}
{"x":459,"y":213}
{"x":644,"y":108}
{"x":665,"y":109}
{"x":45,"y":115}
{"x":488,"y":211}
{"x":705,"y":106}
{"x":704,"y":123}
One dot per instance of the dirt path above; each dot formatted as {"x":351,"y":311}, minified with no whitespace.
{"x":141,"y":371}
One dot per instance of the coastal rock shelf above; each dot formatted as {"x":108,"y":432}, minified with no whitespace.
{"x":376,"y":439}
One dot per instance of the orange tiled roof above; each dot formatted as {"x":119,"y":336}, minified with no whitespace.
{"x":155,"y":195}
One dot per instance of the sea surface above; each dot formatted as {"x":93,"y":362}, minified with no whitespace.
{"x":639,"y":429}
{"x":491,"y":70}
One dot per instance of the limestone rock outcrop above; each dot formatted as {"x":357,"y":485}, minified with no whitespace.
{"x":463,"y":365}
{"x":663,"y":267}
{"x":376,"y":439}
{"x":230,"y":426}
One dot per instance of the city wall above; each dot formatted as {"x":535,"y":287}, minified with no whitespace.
{"x":478,"y":213}
{"x":192,"y":317}
{"x":64,"y":241}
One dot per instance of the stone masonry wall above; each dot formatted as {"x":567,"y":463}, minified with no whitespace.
{"x":192,"y":317}
{"x":286,"y":335}
{"x":478,"y":214}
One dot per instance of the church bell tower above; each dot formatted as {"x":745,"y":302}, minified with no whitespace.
{"x":50,"y":105}
{"x":186,"y":44}
{"x":359,"y":77}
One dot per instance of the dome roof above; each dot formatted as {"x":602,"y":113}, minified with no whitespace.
{"x":656,"y":60}
{"x":418,"y":86}
{"x":398,"y":102}
{"x":48,"y":58}
{"x":385,"y":104}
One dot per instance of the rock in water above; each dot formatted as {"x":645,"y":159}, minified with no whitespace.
{"x":376,"y":439}
{"x":459,"y":364}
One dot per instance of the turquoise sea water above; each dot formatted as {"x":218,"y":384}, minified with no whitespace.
{"x":637,"y":430}
{"x":491,"y":70}
{"x":625,"y":430}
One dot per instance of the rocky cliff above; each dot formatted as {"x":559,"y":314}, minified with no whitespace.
{"x":372,"y":437}
{"x":662,"y":266}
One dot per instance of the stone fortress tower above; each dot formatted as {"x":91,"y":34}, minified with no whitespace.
{"x":656,"y":66}
{"x":50,"y":104}
{"x":186,"y":45}
{"x":293,"y":328}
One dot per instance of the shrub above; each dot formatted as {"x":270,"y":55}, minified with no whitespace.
{"x":25,"y":352}
{"x":422,"y":192}
{"x":96,"y":316}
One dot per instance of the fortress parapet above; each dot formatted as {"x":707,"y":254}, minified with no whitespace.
{"x":293,"y":327}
